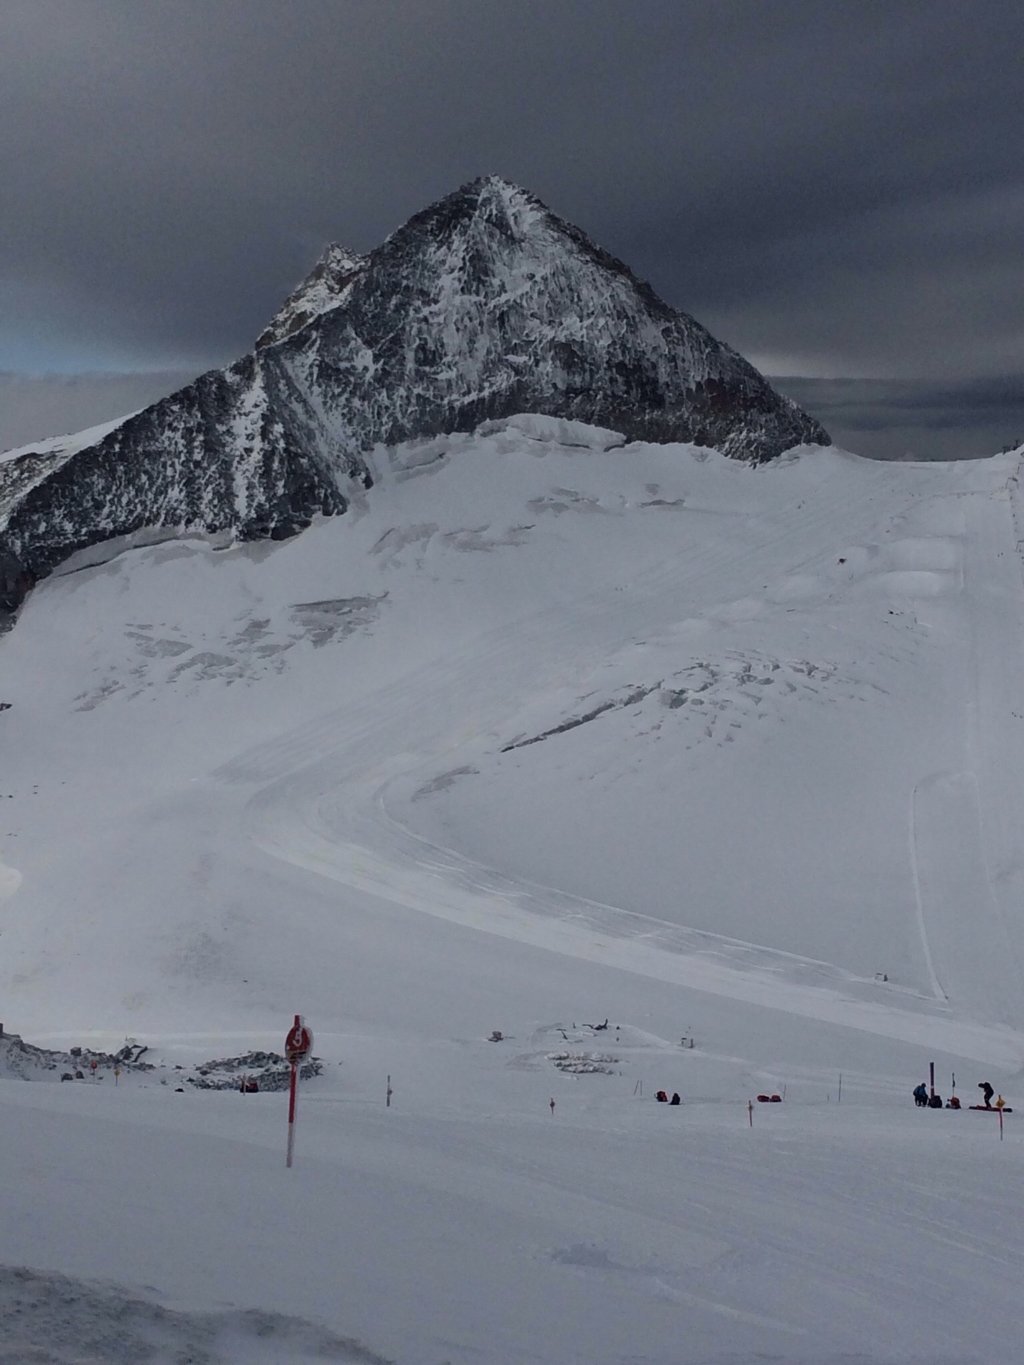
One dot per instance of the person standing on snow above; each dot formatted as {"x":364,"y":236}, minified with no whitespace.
{"x":988,"y":1092}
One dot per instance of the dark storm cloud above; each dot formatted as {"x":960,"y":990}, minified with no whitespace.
{"x":898,"y":418}
{"x":833,"y":188}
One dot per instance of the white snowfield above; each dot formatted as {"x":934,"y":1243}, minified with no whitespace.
{"x":549,"y":732}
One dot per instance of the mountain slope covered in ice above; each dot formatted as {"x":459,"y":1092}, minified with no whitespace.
{"x":554,"y":731}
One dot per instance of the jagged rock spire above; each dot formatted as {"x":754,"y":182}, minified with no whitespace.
{"x":324,"y":287}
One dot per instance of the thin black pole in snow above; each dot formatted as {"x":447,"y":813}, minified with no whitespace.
{"x":931,"y":1077}
{"x":388,"y":1103}
{"x":750,"y":1112}
{"x":840,"y":1098}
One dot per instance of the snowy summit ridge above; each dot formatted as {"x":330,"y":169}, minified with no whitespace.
{"x":326,"y":286}
{"x":483,"y":305}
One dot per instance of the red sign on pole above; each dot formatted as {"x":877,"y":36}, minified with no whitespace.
{"x":297,"y":1046}
{"x":299,"y":1042}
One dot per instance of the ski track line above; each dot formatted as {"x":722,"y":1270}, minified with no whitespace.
{"x":323,"y":810}
{"x":327,"y":818}
{"x":965,"y":938}
{"x":958,"y":823}
{"x":996,"y":733}
{"x":703,"y":961}
{"x":913,"y":821}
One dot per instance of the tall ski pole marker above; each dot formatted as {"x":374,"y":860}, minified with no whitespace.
{"x":297,"y":1047}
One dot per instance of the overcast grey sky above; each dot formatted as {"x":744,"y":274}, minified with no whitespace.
{"x":834,"y":188}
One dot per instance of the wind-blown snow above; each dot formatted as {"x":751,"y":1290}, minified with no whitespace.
{"x":550,"y":730}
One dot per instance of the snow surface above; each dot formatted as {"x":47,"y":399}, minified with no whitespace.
{"x":68,"y":444}
{"x":546,"y":731}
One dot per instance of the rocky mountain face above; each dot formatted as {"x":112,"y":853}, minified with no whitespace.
{"x":326,"y":285}
{"x":484,"y":305}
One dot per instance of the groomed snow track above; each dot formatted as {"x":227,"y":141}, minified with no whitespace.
{"x":323,"y":804}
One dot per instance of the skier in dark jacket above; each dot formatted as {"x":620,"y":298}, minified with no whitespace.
{"x":987,"y":1091}
{"x":921,"y":1095}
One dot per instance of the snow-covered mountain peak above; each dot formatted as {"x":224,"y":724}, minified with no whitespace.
{"x":491,"y":303}
{"x":491,"y":226}
{"x":488,"y":203}
{"x":324,"y":287}
{"x":483,"y":305}
{"x":507,"y":207}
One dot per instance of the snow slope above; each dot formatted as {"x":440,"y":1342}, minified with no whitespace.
{"x":551,"y":729}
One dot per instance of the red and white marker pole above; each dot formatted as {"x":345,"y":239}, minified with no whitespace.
{"x":297,"y":1046}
